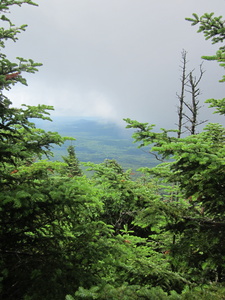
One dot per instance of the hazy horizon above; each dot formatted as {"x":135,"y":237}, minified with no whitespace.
{"x":114,"y":59}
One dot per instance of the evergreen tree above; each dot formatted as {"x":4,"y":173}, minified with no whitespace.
{"x":72,"y":169}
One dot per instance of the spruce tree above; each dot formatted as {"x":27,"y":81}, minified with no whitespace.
{"x":72,"y":169}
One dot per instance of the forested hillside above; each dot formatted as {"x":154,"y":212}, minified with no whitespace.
{"x":97,"y":140}
{"x":65,"y":235}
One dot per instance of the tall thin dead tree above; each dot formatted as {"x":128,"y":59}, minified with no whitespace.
{"x":182,"y":93}
{"x":193,"y":106}
{"x":188,"y":120}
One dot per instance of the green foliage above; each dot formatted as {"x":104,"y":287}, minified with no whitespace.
{"x":212,"y":27}
{"x":50,"y":232}
{"x":126,"y":292}
{"x":121,"y":196}
{"x":12,"y":31}
{"x":72,"y":169}
{"x":196,"y":168}
{"x":10,"y":72}
{"x":218,"y":104}
{"x":125,"y":203}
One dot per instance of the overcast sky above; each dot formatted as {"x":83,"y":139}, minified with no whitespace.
{"x":114,"y":59}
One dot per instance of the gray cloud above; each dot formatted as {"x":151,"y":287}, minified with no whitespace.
{"x":113,"y":59}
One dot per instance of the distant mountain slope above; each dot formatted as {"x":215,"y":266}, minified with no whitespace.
{"x":97,"y":141}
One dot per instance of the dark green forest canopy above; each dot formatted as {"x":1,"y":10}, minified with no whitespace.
{"x":67,"y":236}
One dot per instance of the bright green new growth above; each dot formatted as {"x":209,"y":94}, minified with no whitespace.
{"x":213,"y":28}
